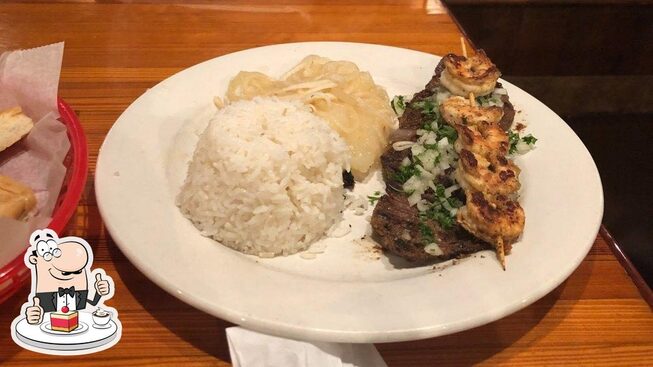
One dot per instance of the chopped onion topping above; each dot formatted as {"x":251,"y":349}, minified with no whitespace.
{"x":433,"y":249}
{"x":422,"y":205}
{"x":432,"y":156}
{"x":450,"y":189}
{"x":398,"y":105}
{"x":523,"y":147}
{"x":500,"y":91}
{"x":402,"y":145}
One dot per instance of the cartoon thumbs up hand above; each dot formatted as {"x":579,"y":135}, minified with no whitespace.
{"x":101,"y":286}
{"x":34,"y":313}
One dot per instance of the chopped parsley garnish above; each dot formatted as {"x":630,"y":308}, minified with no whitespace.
{"x":421,"y":172}
{"x":514,"y":139}
{"x":455,"y":203}
{"x":398,"y":105}
{"x":405,"y":172}
{"x":426,"y":232}
{"x":430,"y":111}
{"x":427,"y":106}
{"x":374,"y":198}
{"x":433,"y":122}
{"x":439,"y":212}
{"x":529,"y":139}
{"x":483,"y":99}
{"x":488,"y":100}
{"x":439,"y":190}
{"x":443,"y":217}
{"x":448,"y":132}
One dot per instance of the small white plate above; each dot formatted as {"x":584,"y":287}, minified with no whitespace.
{"x":46,"y":326}
{"x":348,"y":293}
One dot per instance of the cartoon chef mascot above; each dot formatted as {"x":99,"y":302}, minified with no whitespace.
{"x":60,"y":274}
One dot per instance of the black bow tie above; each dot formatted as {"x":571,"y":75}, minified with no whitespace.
{"x":69,"y":291}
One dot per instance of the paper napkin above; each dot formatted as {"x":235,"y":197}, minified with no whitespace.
{"x":251,"y":349}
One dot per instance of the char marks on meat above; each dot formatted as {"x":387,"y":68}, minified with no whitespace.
{"x":390,"y":163}
{"x":397,"y":225}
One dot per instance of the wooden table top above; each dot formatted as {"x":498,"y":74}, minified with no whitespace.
{"x":114,"y":52}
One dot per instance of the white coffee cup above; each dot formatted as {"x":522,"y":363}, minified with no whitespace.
{"x":101,"y":320}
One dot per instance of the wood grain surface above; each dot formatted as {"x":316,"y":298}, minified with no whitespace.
{"x":114,"y":52}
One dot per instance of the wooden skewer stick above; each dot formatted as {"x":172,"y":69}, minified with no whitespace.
{"x":501,"y":254}
{"x":462,"y":44}
{"x":472,"y":100}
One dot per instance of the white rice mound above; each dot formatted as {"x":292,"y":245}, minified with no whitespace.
{"x":266,"y":177}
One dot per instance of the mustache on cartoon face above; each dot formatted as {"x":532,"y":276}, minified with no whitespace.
{"x":66,"y":273}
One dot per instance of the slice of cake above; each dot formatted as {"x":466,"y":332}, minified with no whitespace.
{"x":64,"y":321}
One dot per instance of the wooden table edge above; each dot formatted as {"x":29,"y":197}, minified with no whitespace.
{"x":625,"y":262}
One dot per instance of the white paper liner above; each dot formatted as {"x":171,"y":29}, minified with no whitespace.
{"x":30,"y":79}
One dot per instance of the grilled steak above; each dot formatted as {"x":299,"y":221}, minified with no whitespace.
{"x":397,"y":225}
{"x":508,"y":111}
{"x":398,"y":229}
{"x":390,"y":164}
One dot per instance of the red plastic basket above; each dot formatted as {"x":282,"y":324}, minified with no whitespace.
{"x":14,"y":274}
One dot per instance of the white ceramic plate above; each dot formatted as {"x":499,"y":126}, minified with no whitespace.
{"x":348,"y":293}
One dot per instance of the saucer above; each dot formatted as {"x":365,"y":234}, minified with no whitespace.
{"x":105,"y":326}
{"x":46,"y":327}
